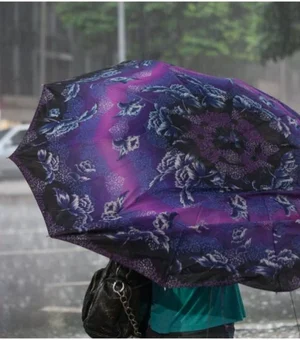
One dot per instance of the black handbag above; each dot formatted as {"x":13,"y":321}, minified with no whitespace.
{"x":117,"y":303}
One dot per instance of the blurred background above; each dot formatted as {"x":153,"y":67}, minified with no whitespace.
{"x":43,"y":281}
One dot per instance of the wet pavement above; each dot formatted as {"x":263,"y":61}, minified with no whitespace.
{"x":43,"y":281}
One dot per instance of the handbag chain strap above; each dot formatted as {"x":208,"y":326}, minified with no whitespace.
{"x":128,"y":310}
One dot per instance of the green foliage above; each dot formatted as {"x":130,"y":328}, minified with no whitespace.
{"x":89,"y":18}
{"x":222,"y":29}
{"x":177,"y":32}
{"x":280,"y":30}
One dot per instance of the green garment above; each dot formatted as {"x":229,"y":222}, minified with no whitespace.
{"x":193,"y":309}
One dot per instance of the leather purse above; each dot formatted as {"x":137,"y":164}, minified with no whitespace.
{"x":117,"y":303}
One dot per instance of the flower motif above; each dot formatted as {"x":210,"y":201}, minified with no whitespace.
{"x":132,"y":143}
{"x":157,"y":236}
{"x":238,"y":235}
{"x":81,"y":207}
{"x":190,"y":80}
{"x":42,"y":155}
{"x":178,"y":92}
{"x":124,"y":146}
{"x":83,"y":170}
{"x":171,"y":161}
{"x":130,"y":63}
{"x":123,"y":80}
{"x":188,"y":177}
{"x":98,"y":75}
{"x":293,"y":122}
{"x":219,"y":180}
{"x":271,"y":260}
{"x":266,"y":101}
{"x":178,"y":110}
{"x":48,"y":159}
{"x":295,"y":282}
{"x":278,"y":232}
{"x":54,"y":113}
{"x":50,"y":164}
{"x":217,"y":257}
{"x":134,"y":234}
{"x":244,"y":246}
{"x":286,"y":204}
{"x":60,"y":127}
{"x":147,"y":63}
{"x":282,"y":178}
{"x":209,"y":95}
{"x":62,"y":198}
{"x":215,"y":260}
{"x":239,"y":207}
{"x":176,"y":268}
{"x":288,"y":162}
{"x":110,"y":216}
{"x":213,"y":97}
{"x":200,"y":227}
{"x":109,"y":73}
{"x":244,"y":103}
{"x":267,"y":115}
{"x":110,"y":207}
{"x":160,"y":121}
{"x":164,"y":220}
{"x":168,"y":165}
{"x":71,"y":91}
{"x":85,"y":167}
{"x":132,"y":108}
{"x":113,"y":208}
{"x":278,"y":125}
{"x":285,"y":258}
{"x":188,"y":173}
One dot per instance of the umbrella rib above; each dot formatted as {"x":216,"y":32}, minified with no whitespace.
{"x":295,"y":313}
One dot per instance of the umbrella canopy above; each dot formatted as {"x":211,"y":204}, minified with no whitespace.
{"x":189,"y":179}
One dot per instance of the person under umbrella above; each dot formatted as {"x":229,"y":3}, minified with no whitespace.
{"x":201,"y":312}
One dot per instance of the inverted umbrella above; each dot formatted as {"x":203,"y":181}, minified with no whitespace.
{"x":189,"y":179}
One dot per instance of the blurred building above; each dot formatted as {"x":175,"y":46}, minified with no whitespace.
{"x":35,"y":48}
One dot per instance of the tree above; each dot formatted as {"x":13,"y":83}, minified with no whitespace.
{"x":199,"y":35}
{"x":280,"y":30}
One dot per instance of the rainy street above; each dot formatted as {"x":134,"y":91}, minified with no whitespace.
{"x":43,"y":281}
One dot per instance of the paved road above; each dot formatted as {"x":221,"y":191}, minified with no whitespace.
{"x":43,"y":281}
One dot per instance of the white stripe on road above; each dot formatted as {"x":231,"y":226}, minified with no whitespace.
{"x":66,"y":284}
{"x":42,"y":251}
{"x":238,"y":326}
{"x":57,"y":309}
{"x":23,"y":232}
{"x":267,"y":325}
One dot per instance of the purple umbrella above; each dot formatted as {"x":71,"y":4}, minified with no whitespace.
{"x":189,"y":179}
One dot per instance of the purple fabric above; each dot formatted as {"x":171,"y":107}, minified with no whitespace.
{"x":191,"y":180}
